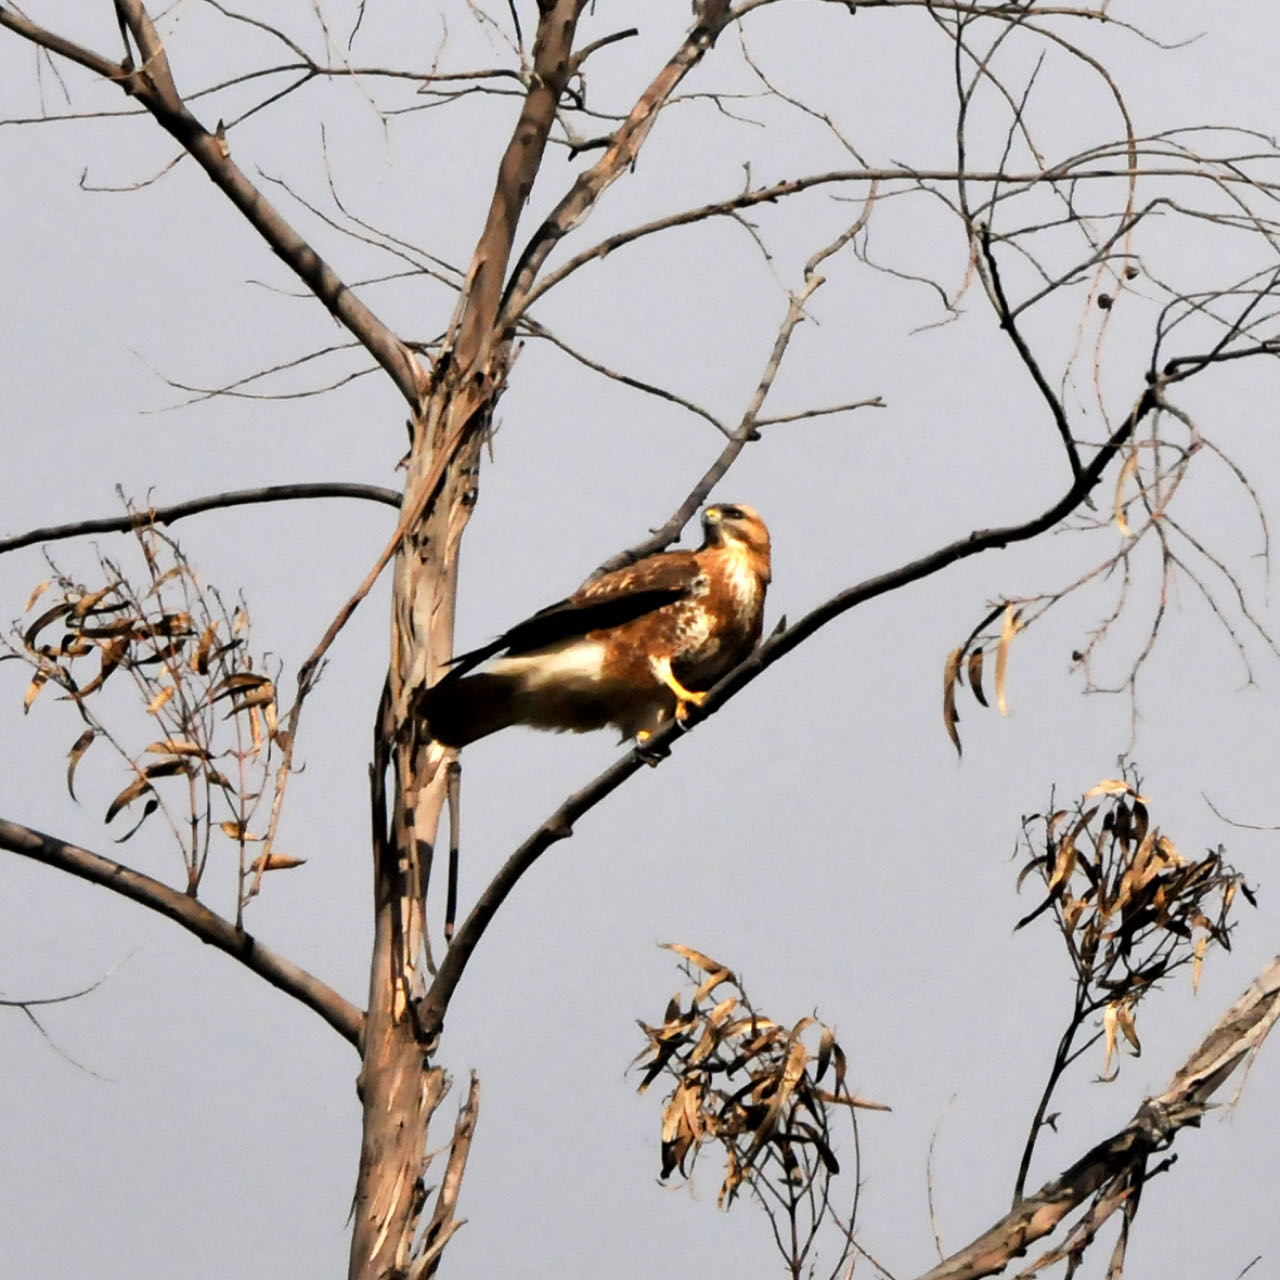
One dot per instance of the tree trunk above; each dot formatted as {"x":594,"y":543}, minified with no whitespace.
{"x":400,"y":1088}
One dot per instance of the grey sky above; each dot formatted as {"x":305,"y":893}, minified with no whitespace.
{"x":819,"y":834}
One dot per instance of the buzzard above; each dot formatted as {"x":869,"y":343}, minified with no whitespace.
{"x":629,"y":649}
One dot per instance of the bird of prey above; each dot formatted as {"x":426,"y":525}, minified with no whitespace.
{"x":630,"y":648}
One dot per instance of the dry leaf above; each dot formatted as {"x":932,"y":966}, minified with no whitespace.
{"x":950,"y":673}
{"x":38,"y":682}
{"x":1130,"y":466}
{"x":274,"y":861}
{"x":160,"y":699}
{"x":78,"y":748}
{"x":40,"y":589}
{"x":136,"y":788}
{"x":975,"y":675}
{"x":178,"y":747}
{"x":1008,"y":629}
{"x":200,"y":658}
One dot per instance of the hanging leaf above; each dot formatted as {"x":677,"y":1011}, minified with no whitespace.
{"x":975,"y":676}
{"x":37,"y":592}
{"x":38,"y":682}
{"x":147,"y":810}
{"x":1130,"y":466}
{"x":200,"y":658}
{"x":76,"y":754}
{"x":950,"y":673}
{"x":137,"y":787}
{"x":1008,"y":629}
{"x":29,"y":636}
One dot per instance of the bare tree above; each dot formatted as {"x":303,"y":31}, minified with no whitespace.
{"x":1059,"y":235}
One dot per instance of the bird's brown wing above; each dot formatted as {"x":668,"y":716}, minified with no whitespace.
{"x":611,"y":600}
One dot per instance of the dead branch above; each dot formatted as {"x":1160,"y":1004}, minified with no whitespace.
{"x":621,"y":153}
{"x":559,"y":826}
{"x":1110,"y":1164}
{"x":197,"y":506}
{"x":443,"y":1220}
{"x":151,"y":83}
{"x":192,"y":915}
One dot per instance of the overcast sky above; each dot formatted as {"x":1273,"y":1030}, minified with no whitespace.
{"x":819,"y":834}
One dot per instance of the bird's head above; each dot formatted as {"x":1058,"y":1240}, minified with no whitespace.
{"x":733,"y":524}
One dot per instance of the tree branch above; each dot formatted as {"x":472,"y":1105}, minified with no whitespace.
{"x":153,"y":86}
{"x":196,"y":506}
{"x":559,"y":826}
{"x":192,"y":915}
{"x":622,"y":150}
{"x":1237,"y":1034}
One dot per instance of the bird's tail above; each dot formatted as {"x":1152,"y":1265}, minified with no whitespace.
{"x":459,"y":710}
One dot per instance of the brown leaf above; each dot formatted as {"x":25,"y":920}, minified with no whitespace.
{"x":38,"y":682}
{"x":86,"y":603}
{"x":274,"y":861}
{"x":200,"y":658}
{"x":48,"y":616}
{"x":147,"y":810}
{"x":113,"y":654}
{"x":1064,"y":864}
{"x":160,"y":699}
{"x":178,"y":747}
{"x":1110,"y":1019}
{"x":37,"y":592}
{"x":825,"y":1045}
{"x":136,"y":788}
{"x":975,"y":675}
{"x":700,"y":961}
{"x":76,"y":754}
{"x":1197,"y":962}
{"x":950,"y":672}
{"x":1008,"y":629}
{"x":1130,"y":466}
{"x":1112,"y":787}
{"x":1124,"y":1016}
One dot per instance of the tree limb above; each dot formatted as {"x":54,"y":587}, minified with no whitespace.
{"x":153,"y":86}
{"x":192,"y":915}
{"x":1238,"y":1033}
{"x":559,"y":826}
{"x":196,"y":506}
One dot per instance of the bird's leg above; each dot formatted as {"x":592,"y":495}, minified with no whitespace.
{"x":661,"y":668}
{"x":650,"y":755}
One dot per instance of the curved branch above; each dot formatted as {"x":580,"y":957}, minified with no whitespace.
{"x":192,"y":915}
{"x":195,"y":506}
{"x":559,"y":826}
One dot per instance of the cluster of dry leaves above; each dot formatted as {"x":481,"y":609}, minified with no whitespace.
{"x":1129,"y":906}
{"x":967,"y":661}
{"x":210,"y":710}
{"x":768,"y":1094}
